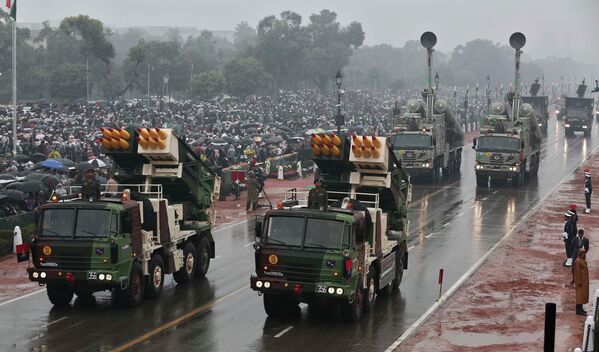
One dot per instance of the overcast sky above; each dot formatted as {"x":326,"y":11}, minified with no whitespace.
{"x":553,"y":27}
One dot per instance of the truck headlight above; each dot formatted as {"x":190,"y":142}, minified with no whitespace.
{"x":101,"y":277}
{"x":331,"y":290}
{"x":259,"y":284}
{"x":567,"y":125}
{"x":35,"y":274}
{"x":339,"y":291}
{"x":108,"y":277}
{"x":540,"y":125}
{"x":584,"y":126}
{"x":557,"y":111}
{"x":43,"y":275}
{"x":266,"y":284}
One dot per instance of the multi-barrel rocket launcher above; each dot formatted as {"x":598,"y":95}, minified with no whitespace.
{"x":348,"y":252}
{"x":427,"y":137}
{"x":159,"y":156}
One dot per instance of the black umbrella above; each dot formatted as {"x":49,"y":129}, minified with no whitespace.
{"x":83,"y":166}
{"x":23,"y":173}
{"x":14,"y":185}
{"x":51,"y":181}
{"x":33,"y":176}
{"x":21,"y":158}
{"x":37,"y":157}
{"x":7,"y":177}
{"x":14,"y":194}
{"x":33,"y":186}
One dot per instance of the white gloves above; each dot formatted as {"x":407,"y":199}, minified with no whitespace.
{"x":565,"y":234}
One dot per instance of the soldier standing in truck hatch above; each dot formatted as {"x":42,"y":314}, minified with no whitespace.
{"x":91,"y":187}
{"x":318,"y":197}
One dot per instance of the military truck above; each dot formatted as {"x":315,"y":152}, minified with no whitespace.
{"x":427,"y":138}
{"x":509,"y":143}
{"x":540,"y":105}
{"x":578,"y":115}
{"x":348,"y":248}
{"x":560,"y":107}
{"x":154,"y":222}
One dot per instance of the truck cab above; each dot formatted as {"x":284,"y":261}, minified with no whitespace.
{"x":578,"y":116}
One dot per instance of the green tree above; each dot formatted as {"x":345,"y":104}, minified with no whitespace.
{"x":246,"y":76}
{"x":208,"y":85}
{"x":244,"y":36}
{"x":67,"y":82}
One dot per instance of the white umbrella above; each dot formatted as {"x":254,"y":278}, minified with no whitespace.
{"x":97,"y":163}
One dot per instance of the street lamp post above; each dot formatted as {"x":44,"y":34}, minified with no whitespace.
{"x":339,"y":120}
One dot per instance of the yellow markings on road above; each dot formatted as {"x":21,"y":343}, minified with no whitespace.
{"x":177,"y":321}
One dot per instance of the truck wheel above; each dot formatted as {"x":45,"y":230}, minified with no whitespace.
{"x":274,"y":305}
{"x":155,"y":279}
{"x":458,"y":163}
{"x":587,"y":133}
{"x":60,"y":294}
{"x":188,"y":270}
{"x":352,"y":312}
{"x":482,"y":180}
{"x":134,"y":293}
{"x":203,"y":258}
{"x":398,"y":271}
{"x":370,"y":290}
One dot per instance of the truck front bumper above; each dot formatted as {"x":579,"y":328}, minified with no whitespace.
{"x":500,"y":171}
{"x":577,"y":125}
{"x":99,"y":278}
{"x":304,"y":291}
{"x":414,"y":168}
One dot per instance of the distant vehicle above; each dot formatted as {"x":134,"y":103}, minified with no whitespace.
{"x":540,"y":105}
{"x":578,"y":115}
{"x":560,"y":107}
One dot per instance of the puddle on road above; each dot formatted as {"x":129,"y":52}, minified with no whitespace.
{"x":478,"y":340}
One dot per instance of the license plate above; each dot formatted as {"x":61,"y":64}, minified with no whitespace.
{"x":92,"y":275}
{"x":320,"y":288}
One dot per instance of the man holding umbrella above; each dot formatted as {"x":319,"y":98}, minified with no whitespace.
{"x":91,"y":187}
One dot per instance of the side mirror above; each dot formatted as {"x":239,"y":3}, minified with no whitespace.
{"x":474,"y":143}
{"x":258,"y":227}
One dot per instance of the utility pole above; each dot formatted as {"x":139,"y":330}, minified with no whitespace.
{"x":14,"y":86}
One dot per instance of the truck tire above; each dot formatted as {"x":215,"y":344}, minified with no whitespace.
{"x":134,"y":293}
{"x":60,"y":294}
{"x":274,"y":305}
{"x":188,"y":270}
{"x":352,"y":312}
{"x":458,"y":163}
{"x":568,"y":132}
{"x":370,"y":290}
{"x":482,"y":180}
{"x":587,"y":132}
{"x":203,"y":258}
{"x":398,"y":271}
{"x":155,"y":279}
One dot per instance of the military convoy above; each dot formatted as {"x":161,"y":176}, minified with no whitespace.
{"x":427,"y":137}
{"x":350,"y":244}
{"x":154,"y":222}
{"x":578,"y":114}
{"x":509,"y":144}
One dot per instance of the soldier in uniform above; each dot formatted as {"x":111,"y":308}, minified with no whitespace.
{"x":252,"y":194}
{"x":318,"y":197}
{"x":568,"y":237}
{"x":91,"y":186}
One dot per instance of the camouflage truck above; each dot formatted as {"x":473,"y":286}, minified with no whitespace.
{"x":427,"y":138}
{"x":154,"y":222}
{"x":509,"y":143}
{"x":348,"y":248}
{"x":540,"y":105}
{"x":578,"y":116}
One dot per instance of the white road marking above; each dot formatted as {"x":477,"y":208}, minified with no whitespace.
{"x":410,"y":248}
{"x":429,"y":235}
{"x":25,"y":296}
{"x":494,"y":192}
{"x":478,"y":263}
{"x":284,"y":331}
{"x":445,"y":225}
{"x":485,"y":198}
{"x":249,"y":244}
{"x":460,"y":214}
{"x":55,"y":321}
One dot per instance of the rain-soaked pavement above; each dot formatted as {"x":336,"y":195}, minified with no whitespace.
{"x":453,"y":224}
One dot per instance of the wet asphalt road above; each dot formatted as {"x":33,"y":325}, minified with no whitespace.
{"x":452,"y":224}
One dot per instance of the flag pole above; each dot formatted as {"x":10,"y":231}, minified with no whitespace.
{"x":14,"y":86}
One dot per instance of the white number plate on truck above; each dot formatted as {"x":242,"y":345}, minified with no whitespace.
{"x":92,"y":275}
{"x":321,"y":288}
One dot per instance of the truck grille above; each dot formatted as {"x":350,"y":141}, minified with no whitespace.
{"x":75,"y":263}
{"x":303,"y":274}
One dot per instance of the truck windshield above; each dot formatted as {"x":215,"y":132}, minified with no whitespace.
{"x":313,"y":233}
{"x":401,"y":141}
{"x":497,"y":144}
{"x":82,"y":223}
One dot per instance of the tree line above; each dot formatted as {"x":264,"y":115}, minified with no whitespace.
{"x":282,"y":52}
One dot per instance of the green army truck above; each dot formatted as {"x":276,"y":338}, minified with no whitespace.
{"x":540,"y":105}
{"x":579,"y":113}
{"x":427,"y":138}
{"x":509,"y":144}
{"x":343,"y":248}
{"x":153,"y":222}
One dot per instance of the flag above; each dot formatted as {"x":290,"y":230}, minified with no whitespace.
{"x":13,"y":9}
